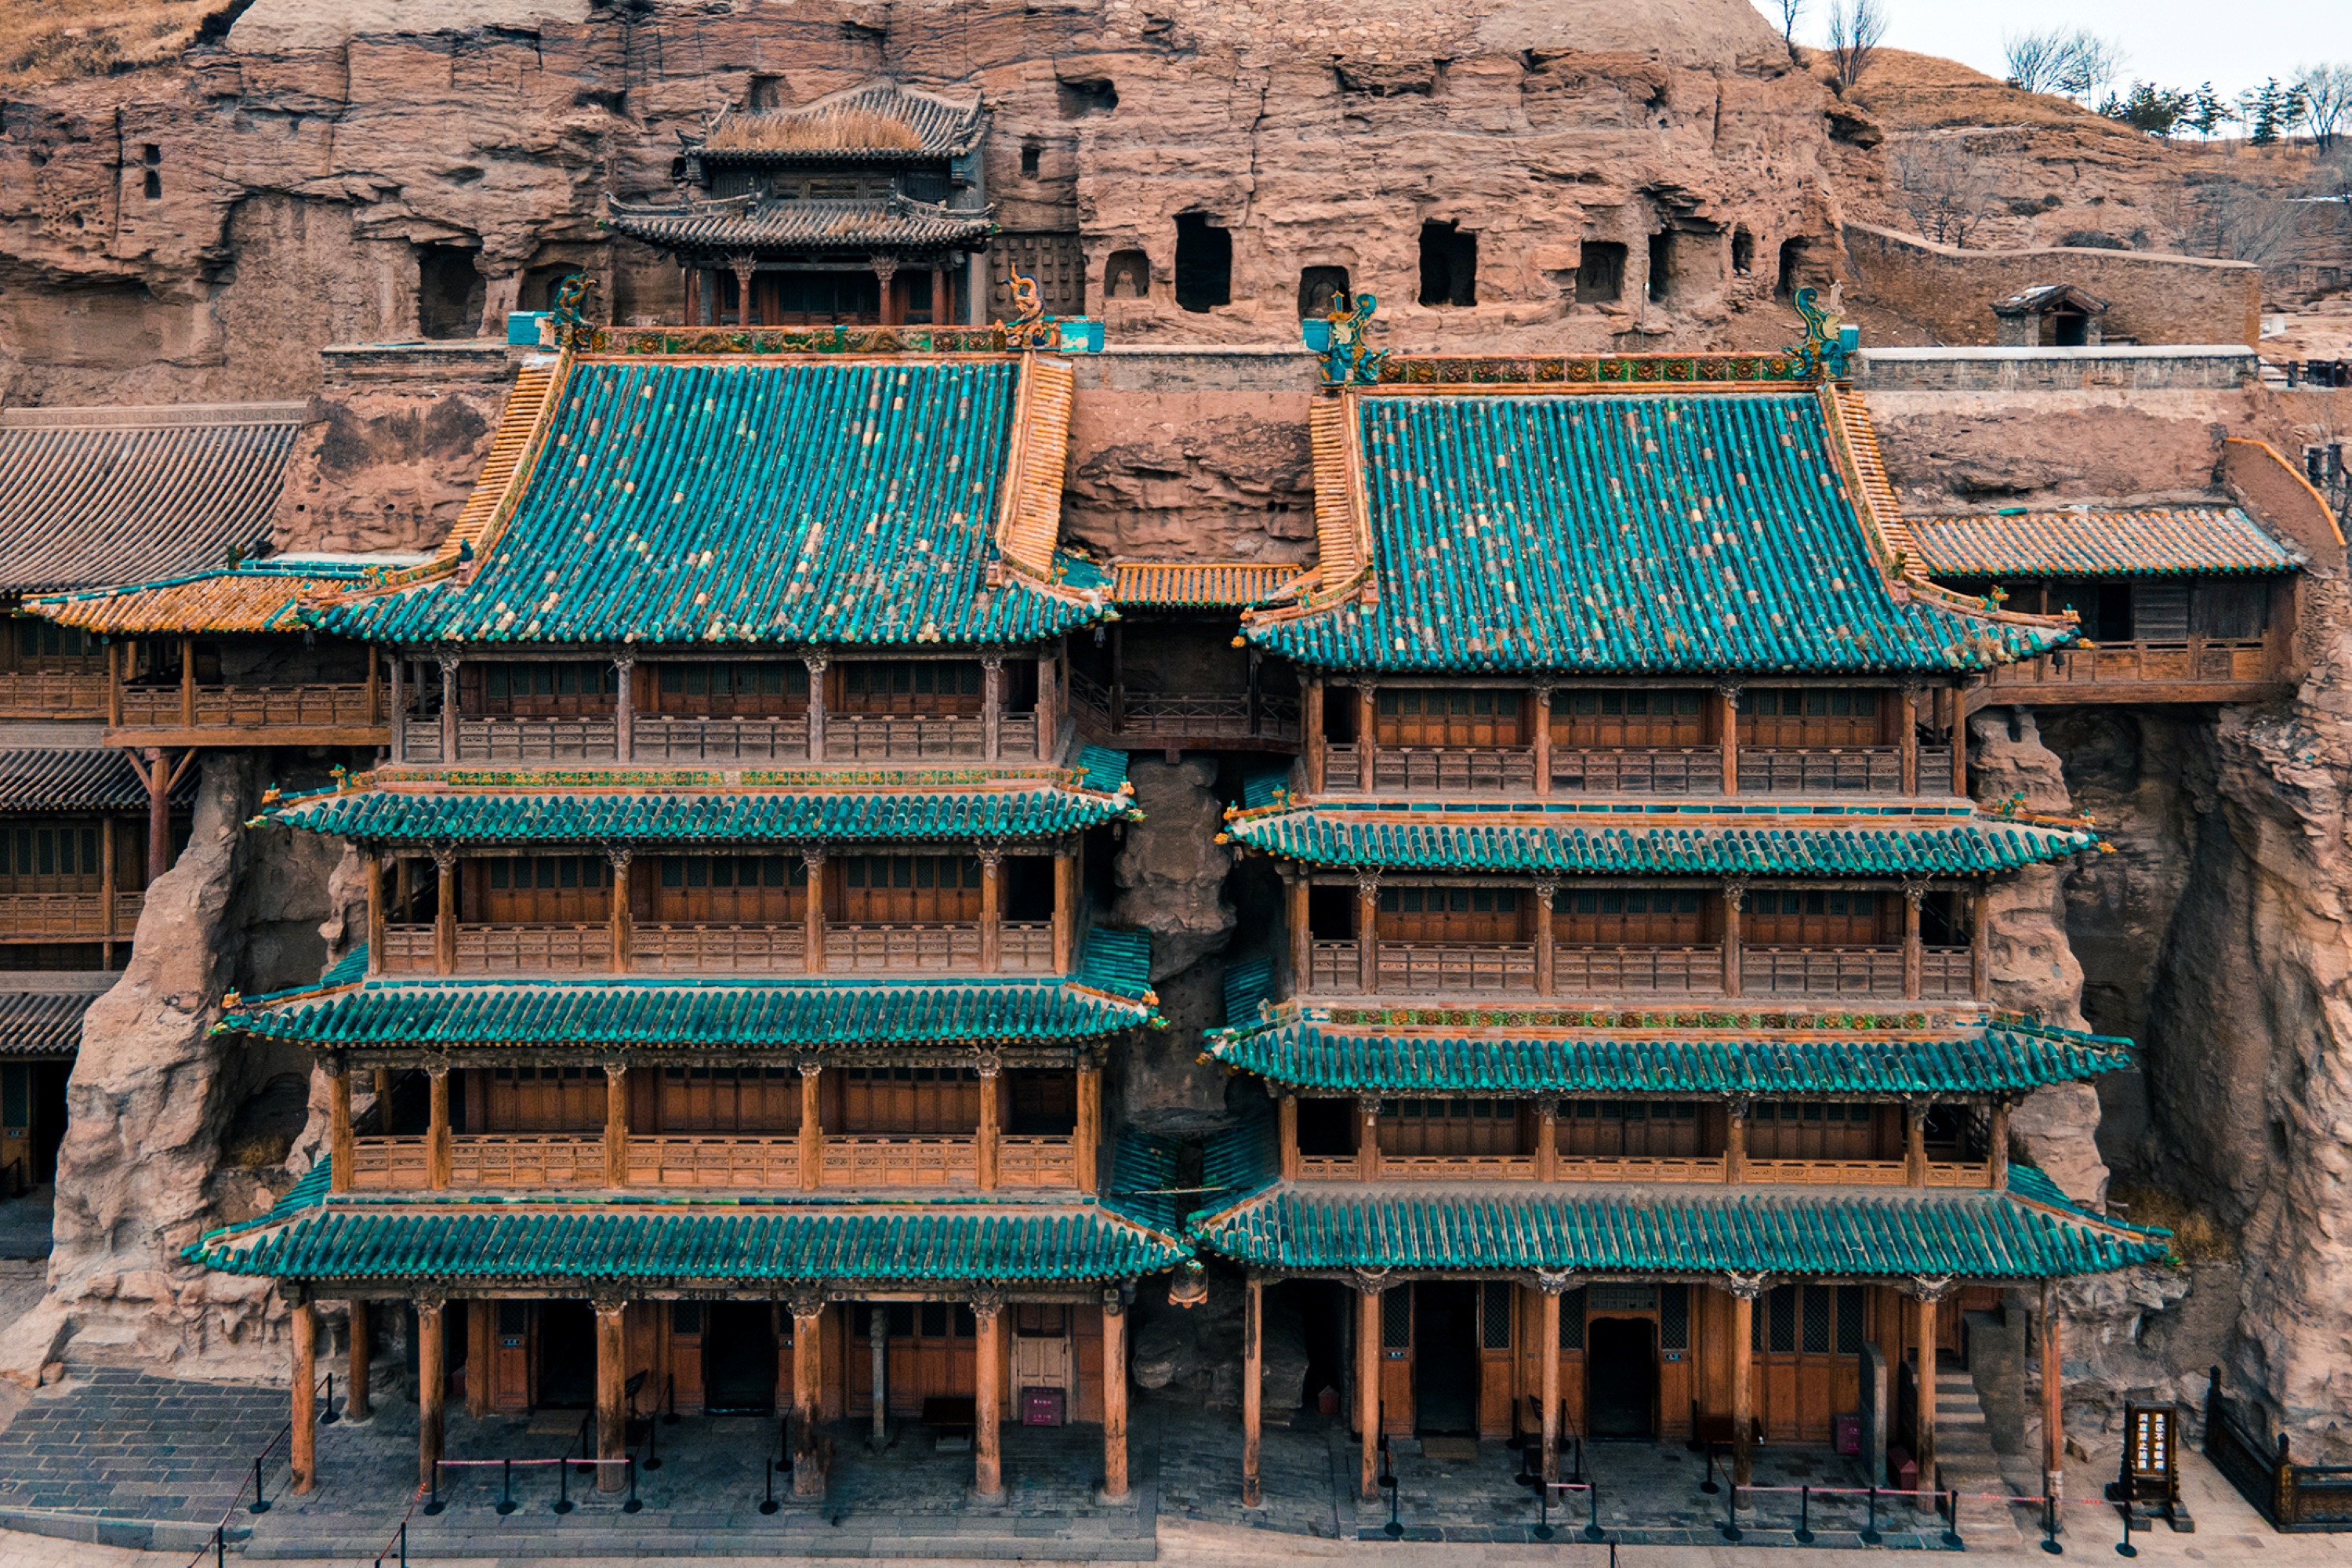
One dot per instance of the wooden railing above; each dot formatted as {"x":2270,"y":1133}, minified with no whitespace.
{"x":1637,"y":970}
{"x":1637,"y":770}
{"x":901,"y":1161}
{"x":1032,"y":1159}
{"x":1828,"y":1173}
{"x":1456,"y":966}
{"x":718,"y":949}
{"x":1946,"y":973}
{"x":663,"y":738}
{"x":1457,"y":1167}
{"x":1807,"y":770}
{"x":71,"y":914}
{"x":902,"y":738}
{"x":1959,"y":1173}
{"x":719,"y":1161}
{"x":1462,"y":770}
{"x":504,"y":948}
{"x":52,"y":694}
{"x":859,"y":949}
{"x":1024,"y":947}
{"x":2197,"y":661}
{"x":303,"y":707}
{"x":1128,"y":714}
{"x":1642,"y":1168}
{"x":848,"y":738}
{"x":714,"y":1160}
{"x":1645,"y":1168}
{"x":2296,"y":1498}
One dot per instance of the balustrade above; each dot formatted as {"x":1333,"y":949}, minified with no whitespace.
{"x":1645,"y":1168}
{"x":1638,"y":770}
{"x":711,"y":1161}
{"x":1946,"y":973}
{"x":1457,"y":966}
{"x":1155,"y":716}
{"x":901,"y":1161}
{"x":1637,"y":970}
{"x":250,"y":706}
{"x":52,"y":694}
{"x":1824,"y":770}
{"x":669,"y":737}
{"x":2197,"y":660}
{"x":69,"y":914}
{"x":664,"y":739}
{"x":1024,"y":947}
{"x":717,"y":950}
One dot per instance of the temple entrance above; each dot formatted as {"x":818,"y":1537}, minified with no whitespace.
{"x":1446,"y":1358}
{"x":738,"y":1358}
{"x":567,"y":1356}
{"x":1621,"y":1374}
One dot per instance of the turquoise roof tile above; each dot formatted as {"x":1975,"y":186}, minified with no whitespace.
{"x":1654,"y":840}
{"x":1623,"y":533}
{"x":1984,"y":1058}
{"x":750,"y":503}
{"x":1117,"y":961}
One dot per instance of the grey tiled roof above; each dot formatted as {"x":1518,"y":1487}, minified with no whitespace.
{"x":827,"y":131}
{"x":76,"y":779}
{"x":42,"y":1023}
{"x":744,"y":224}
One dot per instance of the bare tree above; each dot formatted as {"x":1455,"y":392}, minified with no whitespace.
{"x":1946,"y":189}
{"x":2326,"y":93}
{"x":2240,"y":222}
{"x":2033,"y":60}
{"x":1857,"y":29}
{"x":1791,"y":12}
{"x":2051,"y":60}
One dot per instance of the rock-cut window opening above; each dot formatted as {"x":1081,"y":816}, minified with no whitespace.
{"x":1204,"y":263}
{"x":1323,"y":289}
{"x":1449,"y":264}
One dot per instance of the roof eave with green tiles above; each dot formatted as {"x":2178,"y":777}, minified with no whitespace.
{"x":1310,"y":1054}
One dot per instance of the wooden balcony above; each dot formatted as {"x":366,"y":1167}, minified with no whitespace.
{"x":2199,"y":669}
{"x":1023,"y":947}
{"x":1451,"y":770}
{"x":1946,"y":973}
{"x":75,"y":916}
{"x":1838,"y":770}
{"x":1472,"y":1168}
{"x":526,"y":1162}
{"x":658,"y":739}
{"x":1125,"y":716}
{"x":52,"y":694}
{"x":316,"y":714}
{"x":1637,"y":970}
{"x":716,"y":949}
{"x":714,"y":1160}
{"x":848,"y":738}
{"x":1420,"y":968}
{"x":1820,"y":974}
{"x":1637,"y":770}
{"x":1670,"y":771}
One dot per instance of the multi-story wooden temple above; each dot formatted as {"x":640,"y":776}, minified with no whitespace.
{"x":732,"y":1019}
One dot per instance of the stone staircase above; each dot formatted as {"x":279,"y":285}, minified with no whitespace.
{"x":1966,"y":1460}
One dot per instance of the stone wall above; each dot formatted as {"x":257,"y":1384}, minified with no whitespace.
{"x":2109,"y":367}
{"x":2152,"y":298}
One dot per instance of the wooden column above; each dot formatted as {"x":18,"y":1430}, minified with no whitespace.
{"x":616,"y":1124}
{"x":1547,"y":982}
{"x":448,"y":662}
{"x":2053,"y":1414}
{"x":432,"y":1389}
{"x":445,"y":911}
{"x":398,"y":703}
{"x":1744,"y":1293}
{"x":1286,"y":1120}
{"x":440,"y":1151}
{"x":158,"y":776}
{"x":1735,"y":1141}
{"x":808,"y":1387}
{"x":1927,"y":1400}
{"x":1367,"y":1139}
{"x":1959,"y":738}
{"x":942,"y":300}
{"x":990,"y":1118}
{"x":1252,"y":1388}
{"x":1310,"y":734}
{"x":375,"y":689}
{"x":187,"y":683}
{"x":812,"y":915}
{"x":1302,"y":937}
{"x":741,"y":267}
{"x":106,"y":891}
{"x":1368,"y":1392}
{"x":992,"y":706}
{"x":1048,"y":691}
{"x":1908,"y":715}
{"x":340,"y":1150}
{"x":988,"y":1399}
{"x":371,"y":863}
{"x":1367,"y":739}
{"x":611,"y":1420}
{"x":117,"y":656}
{"x":693,"y":294}
{"x":878,"y":1376}
{"x":1980,"y":942}
{"x":1727,"y":715}
{"x":625,"y":712}
{"x":1914,"y":895}
{"x":1114,"y":1394}
{"x":812,"y":1134}
{"x":1735,"y":894}
{"x":1996,"y":1147}
{"x":357,"y":1405}
{"x":1089,"y":1128}
{"x":992,"y":911}
{"x":815,"y":709}
{"x":1543,"y":740}
{"x":1367,"y":934}
{"x":1547,"y":1140}
{"x":303,"y":1441}
{"x":1547,"y":1348}
{"x":624,"y":933}
{"x":1915,"y":1143}
{"x":1066,"y":908}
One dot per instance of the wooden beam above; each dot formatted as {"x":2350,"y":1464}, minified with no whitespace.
{"x":1735,"y":1141}
{"x":1252,"y":1388}
{"x":1727,"y":718}
{"x":616,"y":1124}
{"x":1735,"y":895}
{"x":1744,"y":1295}
{"x":371,"y":861}
{"x":396,"y":742}
{"x":1367,"y":934}
{"x":624,"y":934}
{"x":1547,"y":1140}
{"x":338,"y":1128}
{"x":1066,"y":908}
{"x":1543,"y":741}
{"x":1996,"y":1147}
{"x":187,"y":683}
{"x":1287,"y":1116}
{"x":984,"y":1145}
{"x":1088,"y":1142}
{"x":1915,"y":1143}
{"x":1925,"y":1403}
{"x":1545,"y":958}
{"x":1310,"y":734}
{"x":1368,"y":1141}
{"x":1980,"y":943}
{"x":1302,"y":940}
{"x":808,"y":1378}
{"x":2053,"y":1410}
{"x":988,"y":1400}
{"x":624,"y":712}
{"x":992,"y":706}
{"x":1368,"y":727}
{"x":812,"y":912}
{"x":612,"y":1419}
{"x":1547,"y":1348}
{"x":1368,"y":1392}
{"x":1048,"y":742}
{"x":303,"y":1441}
{"x":448,"y":662}
{"x":432,"y":1390}
{"x":357,"y":1405}
{"x":991,"y":912}
{"x":815,"y":709}
{"x":1915,"y":894}
{"x":1908,"y":715}
{"x":444,"y":912}
{"x":812,"y":1134}
{"x":1114,"y":1394}
{"x":440,"y":1151}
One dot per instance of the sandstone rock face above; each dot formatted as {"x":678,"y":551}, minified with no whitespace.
{"x":390,"y":455}
{"x":1171,"y":878}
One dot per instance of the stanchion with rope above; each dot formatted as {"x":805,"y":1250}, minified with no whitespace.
{"x":1952,"y":1521}
{"x":1870,"y":1536}
{"x":1592,"y":1531}
{"x":1804,"y":1535}
{"x":1394,"y":1527}
{"x":1731,"y":1530}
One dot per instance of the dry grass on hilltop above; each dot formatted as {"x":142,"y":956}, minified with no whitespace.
{"x":61,"y":40}
{"x":849,"y":128}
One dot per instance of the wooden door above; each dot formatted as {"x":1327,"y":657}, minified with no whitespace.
{"x":1494,"y":1358}
{"x":513,"y":1355}
{"x":904,"y":889}
{"x":1616,"y":717}
{"x":1041,"y":1355}
{"x":1814,"y":716}
{"x":1451,"y":915}
{"x":685,"y":1321}
{"x":1396,"y":1361}
{"x":1821,"y":917}
{"x":1447,"y":716}
{"x":931,"y":1354}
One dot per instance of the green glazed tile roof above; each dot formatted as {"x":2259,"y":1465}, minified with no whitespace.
{"x":655,"y":1013}
{"x":991,"y":815}
{"x":686,"y":504}
{"x":750,"y":1238}
{"x":1623,"y":533}
{"x":1340,"y":1060}
{"x":1669,"y":1229}
{"x":1673,"y":841}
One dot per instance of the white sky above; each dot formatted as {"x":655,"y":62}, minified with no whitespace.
{"x":2176,"y":43}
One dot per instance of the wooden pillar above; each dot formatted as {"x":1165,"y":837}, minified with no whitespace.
{"x":1543,"y":740}
{"x":693,"y":294}
{"x":445,"y":911}
{"x":815,"y":709}
{"x":449,"y":709}
{"x":1310,"y":734}
{"x":372,"y":862}
{"x":992,"y":706}
{"x":1735,"y":895}
{"x":1744,"y":1294}
{"x":1252,"y":1388}
{"x":808,"y":1388}
{"x":1066,"y":908}
{"x":624,"y":712}
{"x":1547,"y":1140}
{"x":1915,"y":1143}
{"x":1367,"y":1139}
{"x":187,"y":683}
{"x":992,"y":911}
{"x":812,"y":916}
{"x":1302,"y":938}
{"x":1914,"y":895}
{"x":1927,"y":1400}
{"x":1117,"y":694}
{"x":1048,"y":691}
{"x":1089,"y":1128}
{"x":1286,"y":1120}
{"x":624,"y":933}
{"x":1548,"y":1347}
{"x":303,"y":1441}
{"x":612,"y":1419}
{"x":1367,"y":739}
{"x":988,"y":1399}
{"x":812,"y":1134}
{"x":1908,"y":715}
{"x":118,"y":654}
{"x":1980,"y":942}
{"x":399,"y":715}
{"x":1368,"y":1392}
{"x":106,"y":878}
{"x":941,"y":300}
{"x":158,"y":779}
{"x":375,"y":687}
{"x":741,"y":267}
{"x":2054,"y":1429}
{"x":1114,"y":1394}
{"x":1996,"y":1147}
{"x":1735,"y":1141}
{"x":616,"y":1124}
{"x":432,"y":1389}
{"x":440,"y":1151}
{"x":356,"y":1402}
{"x":1727,"y":716}
{"x":877,"y":1377}
{"x":340,"y":1151}
{"x":1367,"y":934}
{"x":1546,"y":982}
{"x":985,"y":1144}
{"x":1959,"y":737}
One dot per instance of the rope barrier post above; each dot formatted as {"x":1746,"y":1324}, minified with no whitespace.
{"x":653,"y":1448}
{"x":768,"y":1502}
{"x":1870,"y":1536}
{"x":1730,"y":1513}
{"x":260,"y":1504}
{"x":1592,"y":1531}
{"x":506,"y":1500}
{"x":1804,"y":1536}
{"x":633,"y":1505}
{"x":783,"y":1443}
{"x":330,"y":1418}
{"x":1952,"y":1521}
{"x":670,"y":1398}
{"x":2050,"y":1527}
{"x":404,"y":1543}
{"x":2124,"y":1548}
{"x":1543,"y":1511}
{"x":563,"y":1484}
{"x":220,"y":1546}
{"x":434,"y":1504}
{"x":1708,"y":1486}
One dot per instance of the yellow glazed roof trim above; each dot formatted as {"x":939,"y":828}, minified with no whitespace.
{"x":1199,"y":581}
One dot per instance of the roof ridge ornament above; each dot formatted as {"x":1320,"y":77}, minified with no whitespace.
{"x":1826,"y":346}
{"x":1348,"y":358}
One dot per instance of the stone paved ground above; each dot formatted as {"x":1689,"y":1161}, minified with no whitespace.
{"x":25,"y":1224}
{"x":121,"y":1445}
